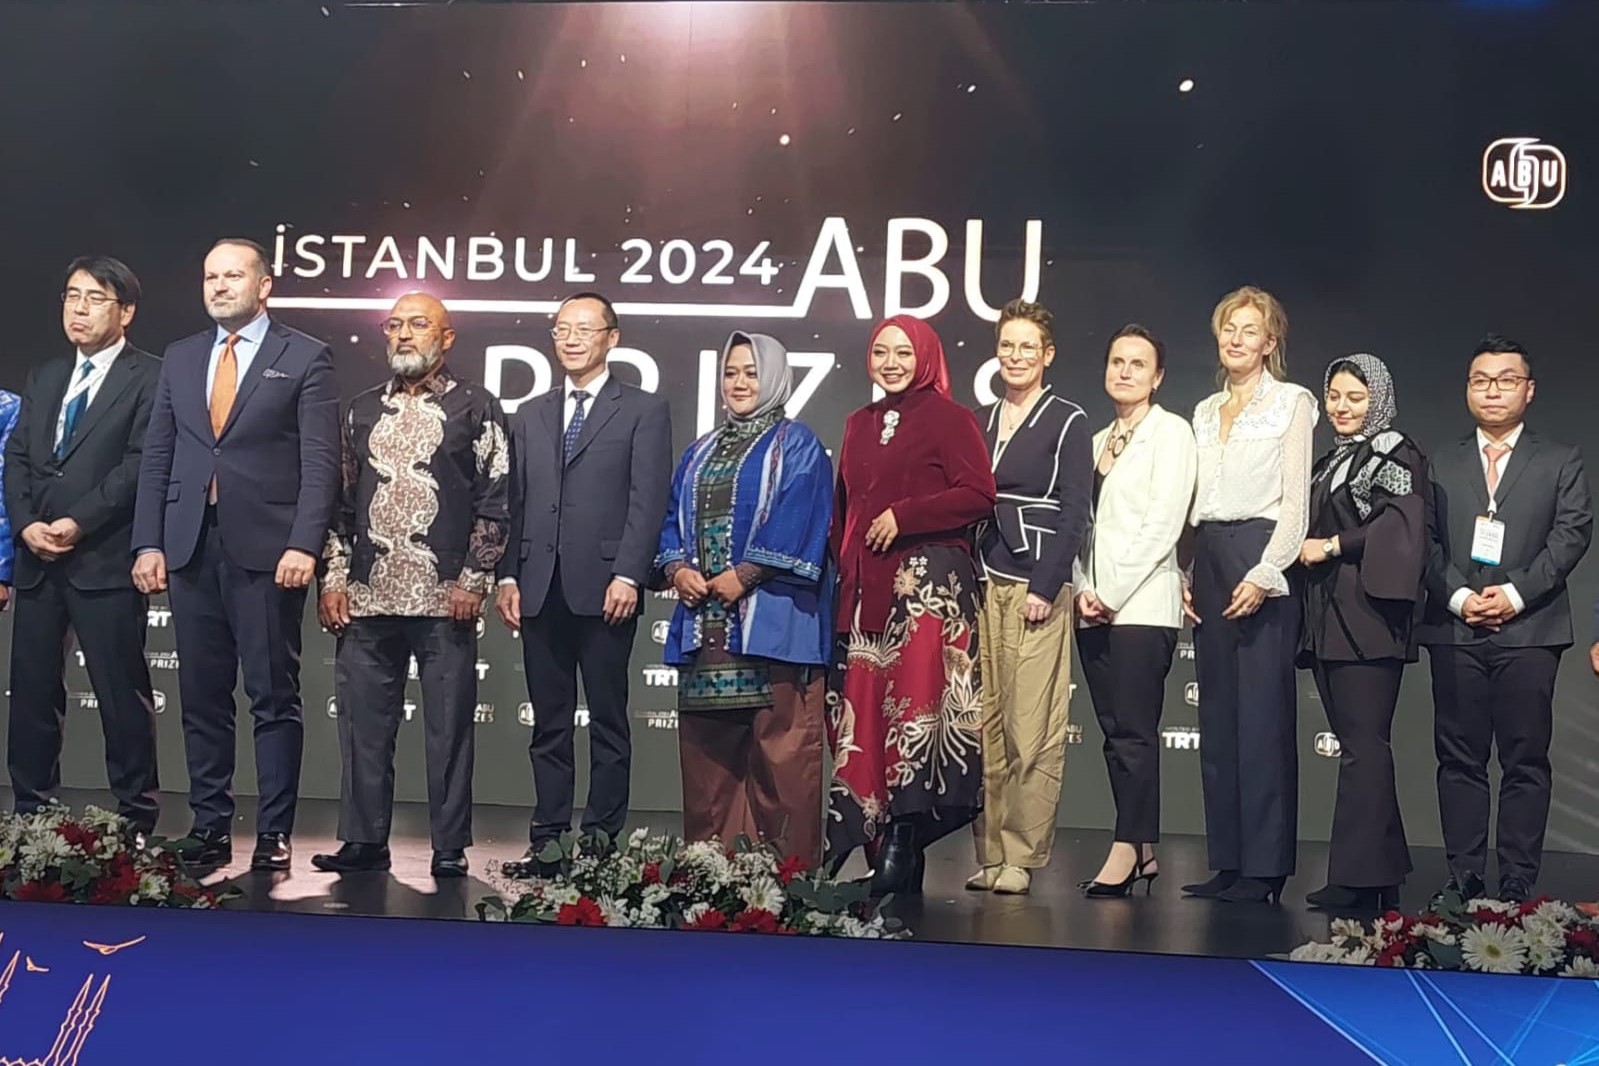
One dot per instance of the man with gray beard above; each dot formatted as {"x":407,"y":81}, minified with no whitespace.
{"x":421,"y":524}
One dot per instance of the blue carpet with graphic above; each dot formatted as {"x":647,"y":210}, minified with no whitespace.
{"x":101,"y":985}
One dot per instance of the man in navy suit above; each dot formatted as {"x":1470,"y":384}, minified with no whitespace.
{"x":236,"y":490}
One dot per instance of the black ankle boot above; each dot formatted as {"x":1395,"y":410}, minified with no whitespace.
{"x":899,"y":862}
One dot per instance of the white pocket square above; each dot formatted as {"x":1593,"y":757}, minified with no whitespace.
{"x":270,"y":373}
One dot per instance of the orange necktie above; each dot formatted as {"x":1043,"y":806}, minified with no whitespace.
{"x":224,"y":386}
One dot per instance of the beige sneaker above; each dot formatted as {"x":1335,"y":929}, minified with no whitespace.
{"x":1013,"y":881}
{"x":984,"y":879}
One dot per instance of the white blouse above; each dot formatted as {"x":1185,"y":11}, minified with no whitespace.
{"x":1263,"y":471}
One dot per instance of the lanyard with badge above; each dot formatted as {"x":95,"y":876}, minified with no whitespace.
{"x":81,"y":387}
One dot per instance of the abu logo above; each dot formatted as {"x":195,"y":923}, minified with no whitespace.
{"x":1180,"y":738}
{"x":483,"y":712}
{"x":524,"y":714}
{"x":1191,"y":693}
{"x":1524,"y":174}
{"x":660,"y":630}
{"x":660,"y":676}
{"x":333,"y":706}
{"x":157,"y":617}
{"x":159,"y":699}
{"x":1327,"y":745}
{"x":482,"y":626}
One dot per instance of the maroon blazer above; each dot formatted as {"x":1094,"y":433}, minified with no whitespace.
{"x":935,"y":476}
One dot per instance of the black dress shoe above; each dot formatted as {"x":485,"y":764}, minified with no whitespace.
{"x":449,"y":863}
{"x":1467,"y":886}
{"x":1343,"y":898}
{"x":1253,"y":890}
{"x":1214,"y":887}
{"x":354,"y":859}
{"x":900,"y":863}
{"x":272,"y":852}
{"x":1514,"y":890}
{"x":206,"y":847}
{"x":530,"y":866}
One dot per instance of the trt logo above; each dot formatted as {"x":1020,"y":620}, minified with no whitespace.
{"x":158,"y":617}
{"x":1180,"y":738}
{"x":1524,"y":174}
{"x":660,"y":630}
{"x":1327,"y":745}
{"x":660,"y":676}
{"x":1191,"y":693}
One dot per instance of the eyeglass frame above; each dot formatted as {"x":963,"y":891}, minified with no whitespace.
{"x":87,"y":296}
{"x":390,"y":326}
{"x":1028,"y":351}
{"x":1482,"y":382}
{"x":584,"y":334}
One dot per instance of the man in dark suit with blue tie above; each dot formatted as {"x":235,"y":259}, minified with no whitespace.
{"x":590,"y":480}
{"x":1511,"y":518}
{"x":236,"y":490}
{"x":71,"y":471}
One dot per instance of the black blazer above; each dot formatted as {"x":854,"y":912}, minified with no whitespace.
{"x":600,"y":511}
{"x":95,"y":482}
{"x":1045,"y":479}
{"x":1547,"y":510}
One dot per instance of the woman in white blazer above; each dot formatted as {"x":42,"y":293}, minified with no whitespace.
{"x":1130,"y":594}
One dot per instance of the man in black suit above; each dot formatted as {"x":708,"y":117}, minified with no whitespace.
{"x":1512,"y":517}
{"x":71,"y":472}
{"x":237,"y":486}
{"x":591,"y":473}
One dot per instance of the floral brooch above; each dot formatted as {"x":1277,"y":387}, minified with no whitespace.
{"x":890,"y":424}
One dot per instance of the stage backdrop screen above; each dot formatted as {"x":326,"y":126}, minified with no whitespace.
{"x":1404,"y":176}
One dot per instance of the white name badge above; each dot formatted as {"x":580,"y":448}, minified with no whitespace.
{"x":1488,"y":541}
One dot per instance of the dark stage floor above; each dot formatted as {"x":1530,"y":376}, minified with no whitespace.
{"x":1054,"y":915}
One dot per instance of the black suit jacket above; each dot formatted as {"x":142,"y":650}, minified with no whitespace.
{"x":1547,"y":510}
{"x":95,"y":482}
{"x":276,"y":461}
{"x":600,"y":511}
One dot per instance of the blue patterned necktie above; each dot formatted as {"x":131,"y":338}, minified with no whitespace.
{"x":75,"y":410}
{"x":574,"y":427}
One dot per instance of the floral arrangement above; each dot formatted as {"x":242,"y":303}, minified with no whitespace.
{"x":55,"y":856}
{"x":660,"y":882}
{"x":1542,"y":937}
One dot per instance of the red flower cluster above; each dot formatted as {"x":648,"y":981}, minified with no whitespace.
{"x":79,"y":836}
{"x":792,"y":867}
{"x":754,"y":921}
{"x":584,"y":912}
{"x":41,"y":892}
{"x":652,"y":873}
{"x":709,"y":920}
{"x":117,"y":884}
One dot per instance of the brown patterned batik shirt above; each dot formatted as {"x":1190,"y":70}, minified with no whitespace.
{"x":424,"y":502}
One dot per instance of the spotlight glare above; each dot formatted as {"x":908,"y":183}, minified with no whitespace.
{"x":1186,"y":85}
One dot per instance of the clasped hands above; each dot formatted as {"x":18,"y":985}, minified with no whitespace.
{"x":51,"y":540}
{"x":694,"y":589}
{"x":1247,"y":598}
{"x":1488,"y":609}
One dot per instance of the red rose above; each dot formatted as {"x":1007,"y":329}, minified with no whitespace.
{"x":79,"y":836}
{"x":652,"y":873}
{"x":754,"y":921}
{"x":792,"y":867}
{"x":709,"y":920}
{"x":41,"y":891}
{"x":584,"y":912}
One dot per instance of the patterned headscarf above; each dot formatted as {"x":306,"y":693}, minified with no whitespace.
{"x":776,"y":380}
{"x":1381,"y":410}
{"x":1376,"y":470}
{"x":931,"y":370}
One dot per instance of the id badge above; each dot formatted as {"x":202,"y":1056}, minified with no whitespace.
{"x":1488,"y":540}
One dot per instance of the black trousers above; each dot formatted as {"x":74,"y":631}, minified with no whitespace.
{"x":556,"y":644}
{"x":110,"y":625}
{"x":1248,"y":723}
{"x":1126,"y":668}
{"x":1368,"y":847}
{"x":227,"y":618}
{"x":373,"y":658}
{"x":1486,"y":695}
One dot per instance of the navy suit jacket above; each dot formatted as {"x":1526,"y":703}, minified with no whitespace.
{"x":276,"y":462}
{"x":599,"y":512}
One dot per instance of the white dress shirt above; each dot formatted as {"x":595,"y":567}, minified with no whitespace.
{"x":101,"y":361}
{"x":1457,"y":602}
{"x":1262,"y":471}
{"x":244,"y":349}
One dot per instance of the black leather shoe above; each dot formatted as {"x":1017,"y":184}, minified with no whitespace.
{"x":449,"y":863}
{"x":1253,"y":890}
{"x":206,"y":847}
{"x":272,"y":852}
{"x":900,"y":863}
{"x":1214,"y":887}
{"x":1467,"y":886}
{"x":1343,"y":898}
{"x":1514,"y":890}
{"x":354,"y":859}
{"x":530,"y":866}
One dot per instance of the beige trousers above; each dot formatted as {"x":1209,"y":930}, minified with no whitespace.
{"x":1026,"y":692}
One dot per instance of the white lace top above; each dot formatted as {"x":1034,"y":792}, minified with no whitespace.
{"x":1263,"y":471}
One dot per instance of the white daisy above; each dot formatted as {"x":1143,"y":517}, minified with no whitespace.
{"x":692,"y":915}
{"x":1347,"y":927}
{"x":1542,"y":957}
{"x":1581,"y":966}
{"x":153,"y":886}
{"x":616,"y":914}
{"x":1554,"y":911}
{"x":1494,"y":949}
{"x":763,"y":894}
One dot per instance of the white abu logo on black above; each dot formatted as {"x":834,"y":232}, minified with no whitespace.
{"x":1524,"y":174}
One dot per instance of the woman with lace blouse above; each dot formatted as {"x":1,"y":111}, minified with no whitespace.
{"x":1251,"y":511}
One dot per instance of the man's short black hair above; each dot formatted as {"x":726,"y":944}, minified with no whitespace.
{"x":112,"y":273}
{"x":606,"y":309}
{"x":1494,"y":343}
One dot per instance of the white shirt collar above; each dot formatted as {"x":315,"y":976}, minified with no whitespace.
{"x":1509,"y":442}
{"x":592,"y":388}
{"x":101,"y":359}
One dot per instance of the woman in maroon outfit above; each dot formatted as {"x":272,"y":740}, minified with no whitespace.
{"x":904,"y":702}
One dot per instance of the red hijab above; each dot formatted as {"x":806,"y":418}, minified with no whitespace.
{"x":931,"y":370}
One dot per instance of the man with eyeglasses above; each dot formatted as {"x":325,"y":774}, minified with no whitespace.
{"x":419,"y":530}
{"x":591,"y":477}
{"x":1512,"y":517}
{"x":236,"y":487}
{"x":71,"y":472}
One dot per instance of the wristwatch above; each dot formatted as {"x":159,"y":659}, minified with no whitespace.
{"x":1327,"y":548}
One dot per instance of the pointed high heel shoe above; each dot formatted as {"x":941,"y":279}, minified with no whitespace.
{"x":1214,"y":887}
{"x":1141,"y":872}
{"x":1254,"y":890}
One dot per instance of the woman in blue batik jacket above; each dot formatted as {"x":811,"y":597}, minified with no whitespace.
{"x":745,"y":546}
{"x":10,"y":407}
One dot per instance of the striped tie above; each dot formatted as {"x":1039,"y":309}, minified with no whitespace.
{"x":75,"y":409}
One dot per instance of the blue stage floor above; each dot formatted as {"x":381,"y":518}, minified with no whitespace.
{"x":101,"y":985}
